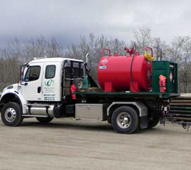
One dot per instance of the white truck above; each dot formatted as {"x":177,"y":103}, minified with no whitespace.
{"x":44,"y":92}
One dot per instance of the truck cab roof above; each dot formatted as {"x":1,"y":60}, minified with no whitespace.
{"x":48,"y":60}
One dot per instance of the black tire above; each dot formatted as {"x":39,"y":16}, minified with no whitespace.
{"x":130,"y":125}
{"x":11,"y":114}
{"x":44,"y":120}
{"x":78,"y":82}
{"x":153,"y":122}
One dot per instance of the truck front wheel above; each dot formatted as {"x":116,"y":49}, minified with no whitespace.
{"x":125,"y":120}
{"x":44,"y":119}
{"x":11,"y":114}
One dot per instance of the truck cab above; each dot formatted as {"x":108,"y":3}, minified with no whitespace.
{"x":44,"y":84}
{"x":44,"y":78}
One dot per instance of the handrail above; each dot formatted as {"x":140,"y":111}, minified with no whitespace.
{"x":105,"y":49}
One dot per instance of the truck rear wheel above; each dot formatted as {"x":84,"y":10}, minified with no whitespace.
{"x":11,"y":114}
{"x":44,"y":119}
{"x":125,"y":120}
{"x":153,"y":122}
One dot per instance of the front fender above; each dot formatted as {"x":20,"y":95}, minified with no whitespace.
{"x":9,"y":94}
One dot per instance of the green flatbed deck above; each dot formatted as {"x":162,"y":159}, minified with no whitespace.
{"x":165,"y":68}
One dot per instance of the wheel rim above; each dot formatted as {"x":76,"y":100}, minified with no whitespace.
{"x":124,"y":120}
{"x":10,"y":115}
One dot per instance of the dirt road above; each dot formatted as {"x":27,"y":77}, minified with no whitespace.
{"x":68,"y":144}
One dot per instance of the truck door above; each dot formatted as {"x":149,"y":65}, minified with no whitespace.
{"x":51,"y":85}
{"x":31,"y":88}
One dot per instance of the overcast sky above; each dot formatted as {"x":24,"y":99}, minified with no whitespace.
{"x":68,"y":19}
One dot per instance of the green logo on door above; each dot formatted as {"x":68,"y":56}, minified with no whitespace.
{"x":49,"y":83}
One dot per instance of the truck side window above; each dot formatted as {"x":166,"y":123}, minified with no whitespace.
{"x":74,"y":69}
{"x":32,"y":74}
{"x":50,"y":71}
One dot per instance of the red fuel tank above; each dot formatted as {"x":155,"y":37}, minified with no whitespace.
{"x":123,"y":73}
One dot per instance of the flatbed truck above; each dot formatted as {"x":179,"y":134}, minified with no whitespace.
{"x":45,"y":92}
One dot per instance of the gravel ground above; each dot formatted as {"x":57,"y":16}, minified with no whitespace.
{"x":68,"y":144}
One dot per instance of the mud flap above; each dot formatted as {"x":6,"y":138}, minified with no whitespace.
{"x":144,"y":122}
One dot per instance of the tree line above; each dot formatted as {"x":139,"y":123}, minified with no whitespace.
{"x":17,"y":53}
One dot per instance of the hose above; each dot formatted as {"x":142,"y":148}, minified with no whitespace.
{"x":131,"y":71}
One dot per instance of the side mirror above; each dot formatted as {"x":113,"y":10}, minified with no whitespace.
{"x":23,"y":83}
{"x":22,"y":69}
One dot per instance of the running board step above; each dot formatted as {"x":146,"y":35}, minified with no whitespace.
{"x":37,"y":105}
{"x":27,"y":116}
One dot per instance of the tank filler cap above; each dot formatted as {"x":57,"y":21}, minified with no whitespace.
{"x":137,"y":53}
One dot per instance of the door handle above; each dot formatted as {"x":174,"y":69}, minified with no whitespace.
{"x":39,"y":89}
